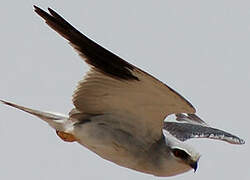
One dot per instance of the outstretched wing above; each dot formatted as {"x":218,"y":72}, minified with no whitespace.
{"x":113,"y":86}
{"x":190,"y":118}
{"x":185,"y":131}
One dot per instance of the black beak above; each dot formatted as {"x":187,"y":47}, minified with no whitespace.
{"x":194,"y":165}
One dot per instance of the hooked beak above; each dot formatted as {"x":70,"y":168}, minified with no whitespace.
{"x":194,"y":165}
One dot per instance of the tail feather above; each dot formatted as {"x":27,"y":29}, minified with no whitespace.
{"x":55,"y":120}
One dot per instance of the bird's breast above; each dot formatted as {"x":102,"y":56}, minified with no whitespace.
{"x":114,"y":143}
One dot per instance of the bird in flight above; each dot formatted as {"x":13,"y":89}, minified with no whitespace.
{"x":119,"y":112}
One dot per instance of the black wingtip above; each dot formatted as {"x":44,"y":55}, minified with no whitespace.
{"x":37,"y":9}
{"x":96,"y":55}
{"x":51,"y":10}
{"x":40,"y":12}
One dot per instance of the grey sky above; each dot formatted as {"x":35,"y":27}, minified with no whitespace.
{"x":199,"y":48}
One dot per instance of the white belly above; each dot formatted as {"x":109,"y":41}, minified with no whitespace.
{"x":113,"y":142}
{"x":110,"y":143}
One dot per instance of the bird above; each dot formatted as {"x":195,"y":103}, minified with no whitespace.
{"x":120,"y":112}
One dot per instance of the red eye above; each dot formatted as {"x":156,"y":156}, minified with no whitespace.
{"x":180,"y":153}
{"x":176,"y":153}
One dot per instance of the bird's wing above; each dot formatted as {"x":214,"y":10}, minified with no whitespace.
{"x":190,"y":118}
{"x":185,"y":131}
{"x":113,"y":86}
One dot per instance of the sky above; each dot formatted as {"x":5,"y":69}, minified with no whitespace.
{"x":199,"y":48}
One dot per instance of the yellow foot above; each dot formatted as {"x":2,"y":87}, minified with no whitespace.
{"x":66,"y":136}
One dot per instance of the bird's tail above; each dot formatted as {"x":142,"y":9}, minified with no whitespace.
{"x":55,"y":120}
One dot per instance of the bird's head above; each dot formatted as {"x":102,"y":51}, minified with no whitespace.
{"x":180,"y":157}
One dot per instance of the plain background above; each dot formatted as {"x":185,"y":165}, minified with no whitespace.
{"x":199,"y":48}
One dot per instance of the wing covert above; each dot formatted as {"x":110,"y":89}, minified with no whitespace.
{"x":185,"y":131}
{"x":113,"y":86}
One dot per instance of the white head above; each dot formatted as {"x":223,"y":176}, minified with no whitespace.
{"x":179,"y":158}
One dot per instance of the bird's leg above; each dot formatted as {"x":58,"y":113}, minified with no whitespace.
{"x":66,"y":136}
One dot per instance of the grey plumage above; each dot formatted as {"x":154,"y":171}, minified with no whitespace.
{"x":185,"y":131}
{"x":192,"y":126}
{"x":119,"y":112}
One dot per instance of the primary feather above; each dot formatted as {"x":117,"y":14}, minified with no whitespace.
{"x":114,"y":86}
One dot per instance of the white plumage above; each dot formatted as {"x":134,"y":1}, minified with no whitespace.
{"x":120,"y":110}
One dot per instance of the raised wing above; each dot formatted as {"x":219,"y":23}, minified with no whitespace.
{"x":113,"y":86}
{"x":185,"y":131}
{"x":190,"y":118}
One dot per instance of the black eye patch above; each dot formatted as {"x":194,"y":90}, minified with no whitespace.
{"x":180,"y":153}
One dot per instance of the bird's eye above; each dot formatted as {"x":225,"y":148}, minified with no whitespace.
{"x":180,"y":153}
